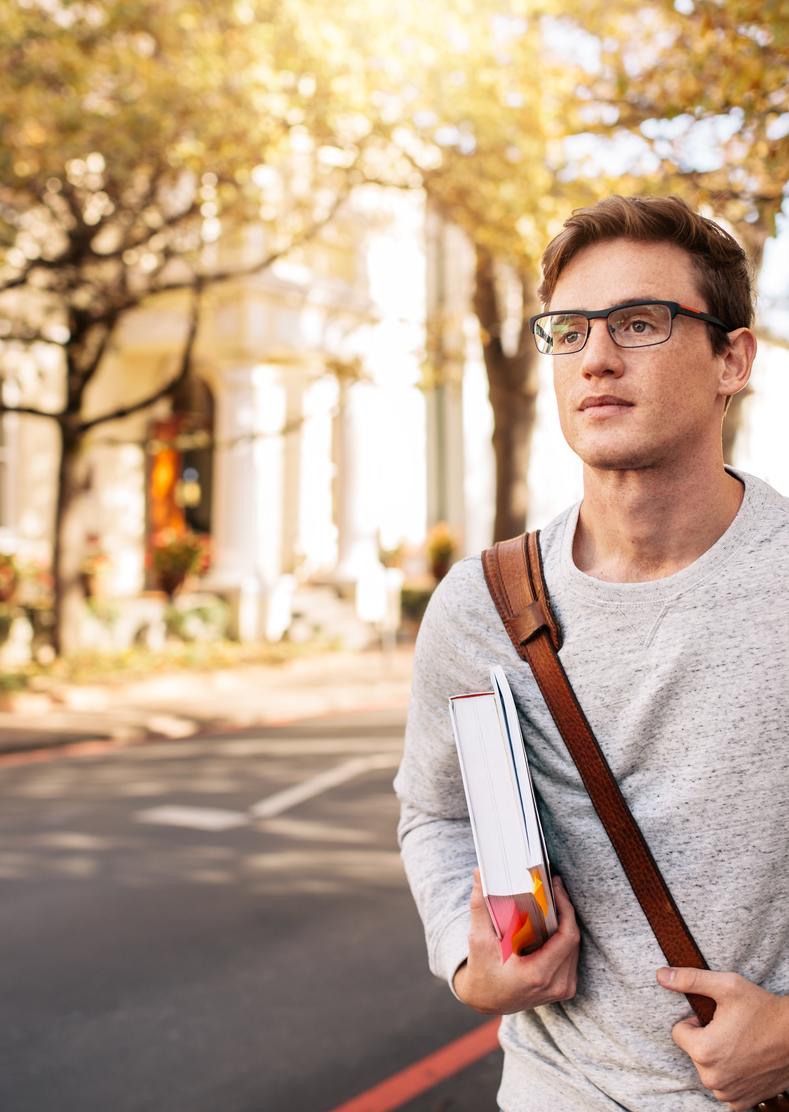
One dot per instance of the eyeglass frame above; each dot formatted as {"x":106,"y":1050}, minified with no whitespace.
{"x":674,"y":307}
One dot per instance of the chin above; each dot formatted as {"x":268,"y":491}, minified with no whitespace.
{"x":617,"y":457}
{"x":619,"y":463}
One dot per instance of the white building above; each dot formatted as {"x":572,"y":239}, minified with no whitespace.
{"x":309,"y":438}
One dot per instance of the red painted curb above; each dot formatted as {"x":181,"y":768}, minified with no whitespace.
{"x":425,"y":1074}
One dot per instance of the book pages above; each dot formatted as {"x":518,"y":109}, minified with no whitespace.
{"x":504,"y":819}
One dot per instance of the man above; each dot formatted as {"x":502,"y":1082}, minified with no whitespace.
{"x":670,"y":584}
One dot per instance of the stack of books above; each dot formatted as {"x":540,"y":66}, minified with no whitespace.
{"x":513,"y":862}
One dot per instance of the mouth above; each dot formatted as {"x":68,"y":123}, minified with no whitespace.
{"x":608,"y":402}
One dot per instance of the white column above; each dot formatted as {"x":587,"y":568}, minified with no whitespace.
{"x":294,"y":380}
{"x":447,"y":300}
{"x":248,"y":496}
{"x":355,"y":485}
{"x":317,"y":524}
{"x":446,"y":495}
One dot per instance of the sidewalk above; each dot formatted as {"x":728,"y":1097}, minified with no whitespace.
{"x":180,"y":704}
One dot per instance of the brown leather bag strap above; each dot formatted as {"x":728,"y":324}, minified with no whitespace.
{"x":513,"y":571}
{"x":519,"y":597}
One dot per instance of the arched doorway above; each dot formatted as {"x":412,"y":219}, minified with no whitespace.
{"x":179,"y":485}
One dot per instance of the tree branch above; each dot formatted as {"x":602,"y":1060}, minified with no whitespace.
{"x":29,"y":411}
{"x":183,"y":371}
{"x":30,"y":338}
{"x":139,"y":240}
{"x":20,"y":279}
{"x":87,"y":372}
{"x":78,"y":244}
{"x":263,"y":264}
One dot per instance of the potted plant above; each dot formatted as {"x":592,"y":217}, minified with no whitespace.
{"x":441,"y":546}
{"x":9,"y":588}
{"x":93,"y":567}
{"x":391,"y":557}
{"x":9,"y":578}
{"x":176,"y":556}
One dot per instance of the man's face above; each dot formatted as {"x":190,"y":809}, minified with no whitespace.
{"x":664,"y":400}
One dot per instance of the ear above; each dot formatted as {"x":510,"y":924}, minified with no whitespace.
{"x":736,"y":361}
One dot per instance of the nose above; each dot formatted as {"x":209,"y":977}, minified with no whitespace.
{"x":601,"y":356}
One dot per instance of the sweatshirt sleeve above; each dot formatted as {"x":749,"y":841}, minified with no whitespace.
{"x":435,"y":836}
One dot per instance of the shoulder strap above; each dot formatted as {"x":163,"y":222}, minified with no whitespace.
{"x":513,"y":571}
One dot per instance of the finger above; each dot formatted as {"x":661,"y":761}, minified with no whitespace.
{"x":563,"y":944}
{"x":564,"y":909}
{"x":685,"y":1034}
{"x":481,"y":925}
{"x":702,"y":982}
{"x":476,"y":882}
{"x":560,"y":951}
{"x":477,"y":900}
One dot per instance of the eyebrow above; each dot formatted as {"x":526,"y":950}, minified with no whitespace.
{"x":617,"y":305}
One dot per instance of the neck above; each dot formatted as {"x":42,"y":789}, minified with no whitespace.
{"x":644,"y":524}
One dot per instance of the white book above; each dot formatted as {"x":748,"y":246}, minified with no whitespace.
{"x":513,"y":862}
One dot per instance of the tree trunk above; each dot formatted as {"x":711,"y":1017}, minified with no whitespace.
{"x":512,"y":384}
{"x":68,"y":595}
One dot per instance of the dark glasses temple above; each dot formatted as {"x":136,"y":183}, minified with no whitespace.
{"x":689,"y":311}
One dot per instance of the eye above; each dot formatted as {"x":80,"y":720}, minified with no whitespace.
{"x":568,"y":332}
{"x":639,"y":321}
{"x":638,"y":325}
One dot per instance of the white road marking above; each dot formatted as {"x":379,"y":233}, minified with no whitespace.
{"x":305,"y":746}
{"x":195,"y":818}
{"x":290,"y":797}
{"x":216,"y":819}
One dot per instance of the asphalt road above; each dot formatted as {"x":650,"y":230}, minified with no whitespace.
{"x":217,"y":925}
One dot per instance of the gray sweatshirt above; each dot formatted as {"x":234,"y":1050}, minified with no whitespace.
{"x":685,"y":682}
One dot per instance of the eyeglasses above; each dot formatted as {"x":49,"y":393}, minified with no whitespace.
{"x":633,"y":324}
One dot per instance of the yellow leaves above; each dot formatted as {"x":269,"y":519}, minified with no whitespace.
{"x":24,"y":168}
{"x":477,"y":97}
{"x":33,"y":134}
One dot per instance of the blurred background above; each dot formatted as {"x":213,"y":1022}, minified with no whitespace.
{"x":265,"y":274}
{"x":265,"y":270}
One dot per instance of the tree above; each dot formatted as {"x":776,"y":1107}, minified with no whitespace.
{"x":703,"y":89}
{"x":525,"y":111}
{"x":467,"y":96}
{"x":138,"y":141}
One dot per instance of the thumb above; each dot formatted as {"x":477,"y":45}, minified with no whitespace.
{"x":477,"y":901}
{"x":701,"y":982}
{"x":481,"y":925}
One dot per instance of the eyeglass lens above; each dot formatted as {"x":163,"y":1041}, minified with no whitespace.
{"x":635,"y":326}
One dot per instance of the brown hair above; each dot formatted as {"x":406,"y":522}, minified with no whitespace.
{"x":722,"y":267}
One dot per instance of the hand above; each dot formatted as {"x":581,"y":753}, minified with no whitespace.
{"x":742,"y":1055}
{"x":542,"y":977}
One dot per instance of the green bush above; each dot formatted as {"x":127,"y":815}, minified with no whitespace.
{"x":413,"y":602}
{"x":205,"y":620}
{"x":10,"y":575}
